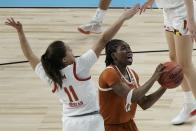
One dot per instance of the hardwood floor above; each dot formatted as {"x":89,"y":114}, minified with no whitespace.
{"x":27,"y":104}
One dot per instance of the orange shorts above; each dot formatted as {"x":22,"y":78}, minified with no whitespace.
{"x":128,"y":126}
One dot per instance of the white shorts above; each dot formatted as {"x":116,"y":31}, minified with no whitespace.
{"x":84,"y":123}
{"x":175,"y":19}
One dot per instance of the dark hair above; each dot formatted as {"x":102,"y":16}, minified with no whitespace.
{"x":110,"y":48}
{"x":52,"y":61}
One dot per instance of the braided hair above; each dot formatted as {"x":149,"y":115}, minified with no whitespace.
{"x":111,"y":48}
{"x":52,"y":61}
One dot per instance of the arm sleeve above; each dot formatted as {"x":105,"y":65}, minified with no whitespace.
{"x":39,"y":70}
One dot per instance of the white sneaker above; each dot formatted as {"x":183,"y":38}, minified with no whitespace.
{"x":187,"y":111}
{"x":194,"y":128}
{"x":91,"y":27}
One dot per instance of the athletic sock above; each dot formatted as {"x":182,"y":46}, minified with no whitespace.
{"x":99,"y":15}
{"x":189,"y":98}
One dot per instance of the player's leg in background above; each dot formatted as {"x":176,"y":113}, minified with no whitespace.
{"x":172,"y":55}
{"x":188,"y":97}
{"x":94,"y":26}
{"x":177,"y":51}
{"x":104,"y":4}
{"x":184,"y":46}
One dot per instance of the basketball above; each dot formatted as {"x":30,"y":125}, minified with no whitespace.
{"x":172,"y":76}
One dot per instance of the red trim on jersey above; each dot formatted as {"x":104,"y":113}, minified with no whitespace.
{"x":122,"y":76}
{"x":75,"y":75}
{"x":54,"y":88}
{"x":131,"y":72}
{"x":193,"y":112}
{"x":129,"y":75}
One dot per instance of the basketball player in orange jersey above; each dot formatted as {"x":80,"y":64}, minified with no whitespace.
{"x":69,"y":77}
{"x":94,"y":26}
{"x":180,"y":31}
{"x":120,"y":92}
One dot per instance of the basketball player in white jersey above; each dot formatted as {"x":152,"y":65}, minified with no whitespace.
{"x":180,"y":30}
{"x":69,"y":77}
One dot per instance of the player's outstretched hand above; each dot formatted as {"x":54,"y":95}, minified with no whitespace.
{"x":148,"y":4}
{"x":11,"y":22}
{"x":129,"y":13}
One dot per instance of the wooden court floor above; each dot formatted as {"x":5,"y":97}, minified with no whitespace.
{"x":27,"y":104}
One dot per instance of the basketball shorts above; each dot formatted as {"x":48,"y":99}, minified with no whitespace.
{"x":128,"y":126}
{"x":83,"y":123}
{"x":175,"y":19}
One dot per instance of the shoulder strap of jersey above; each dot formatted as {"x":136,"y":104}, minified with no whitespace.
{"x":133,"y":75}
{"x":108,"y":89}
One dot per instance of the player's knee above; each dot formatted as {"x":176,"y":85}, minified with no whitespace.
{"x":186,"y":66}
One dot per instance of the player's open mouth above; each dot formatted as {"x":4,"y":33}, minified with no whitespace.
{"x":129,"y":59}
{"x":129,"y":56}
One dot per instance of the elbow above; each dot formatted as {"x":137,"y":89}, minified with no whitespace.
{"x":145,"y":103}
{"x":145,"y":106}
{"x":137,"y":95}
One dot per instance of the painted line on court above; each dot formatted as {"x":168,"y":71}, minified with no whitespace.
{"x":135,"y":52}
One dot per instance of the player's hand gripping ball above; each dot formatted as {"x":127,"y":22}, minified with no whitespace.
{"x":172,"y":75}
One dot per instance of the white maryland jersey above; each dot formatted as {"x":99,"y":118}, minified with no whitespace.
{"x":78,"y":94}
{"x":169,"y":3}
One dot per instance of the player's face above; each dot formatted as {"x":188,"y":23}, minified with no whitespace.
{"x":69,"y":57}
{"x":124,"y":54}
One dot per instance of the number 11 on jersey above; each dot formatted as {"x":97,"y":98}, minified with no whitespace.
{"x":73,"y":98}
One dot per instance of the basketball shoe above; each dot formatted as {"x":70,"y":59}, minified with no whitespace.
{"x":194,"y":128}
{"x":91,"y":27}
{"x":187,"y":111}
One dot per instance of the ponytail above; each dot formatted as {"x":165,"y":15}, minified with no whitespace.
{"x":52,"y":72}
{"x":52,"y":61}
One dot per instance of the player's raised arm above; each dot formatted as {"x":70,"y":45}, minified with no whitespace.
{"x":27,"y":51}
{"x":137,"y":94}
{"x":110,"y":32}
{"x":142,"y":90}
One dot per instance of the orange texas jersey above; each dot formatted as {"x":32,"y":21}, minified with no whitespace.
{"x":112,"y":106}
